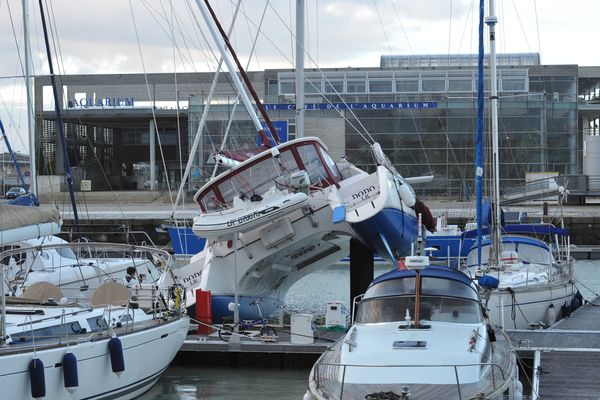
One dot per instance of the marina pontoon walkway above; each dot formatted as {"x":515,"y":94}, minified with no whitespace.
{"x":569,"y":354}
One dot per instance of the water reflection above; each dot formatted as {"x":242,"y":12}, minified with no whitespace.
{"x":187,"y":383}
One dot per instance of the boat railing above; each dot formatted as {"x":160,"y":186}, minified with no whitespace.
{"x":98,"y":250}
{"x":320,"y":377}
{"x":92,"y":254}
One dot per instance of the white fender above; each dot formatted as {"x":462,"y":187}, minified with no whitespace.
{"x":407,"y":195}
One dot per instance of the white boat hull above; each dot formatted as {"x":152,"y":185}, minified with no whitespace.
{"x":247,"y":216}
{"x":268,"y":270}
{"x":147,"y":353}
{"x":529,"y":305}
{"x":378,"y":207}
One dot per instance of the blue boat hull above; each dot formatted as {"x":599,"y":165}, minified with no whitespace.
{"x":397,"y":228}
{"x":220,"y":307}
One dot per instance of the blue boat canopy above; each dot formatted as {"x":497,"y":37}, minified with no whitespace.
{"x":517,"y":240}
{"x":436,"y":281}
{"x":429,"y":272}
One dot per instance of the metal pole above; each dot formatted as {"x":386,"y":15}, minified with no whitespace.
{"x":491,"y":22}
{"x":152,"y":133}
{"x":501,"y":311}
{"x":30,"y":110}
{"x":3,"y":322}
{"x":236,"y":313}
{"x":535,"y":384}
{"x":299,"y":68}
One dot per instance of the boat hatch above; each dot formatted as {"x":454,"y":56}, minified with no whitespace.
{"x":252,"y":179}
{"x":409,"y":344}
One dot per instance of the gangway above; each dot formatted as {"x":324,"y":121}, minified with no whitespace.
{"x":540,"y":189}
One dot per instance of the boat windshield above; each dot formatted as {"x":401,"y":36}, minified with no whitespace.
{"x":267,"y":172}
{"x":432,"y":308}
{"x":429,"y":286}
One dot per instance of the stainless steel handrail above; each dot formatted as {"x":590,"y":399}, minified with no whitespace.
{"x":344,"y":367}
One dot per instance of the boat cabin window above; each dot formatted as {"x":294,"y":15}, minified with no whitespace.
{"x":66,"y":252}
{"x":209,"y":202}
{"x":429,"y":286}
{"x":443,"y":300}
{"x":330,"y":164}
{"x":258,"y":177}
{"x":47,"y":333}
{"x":312,"y":164}
{"x":97,"y":324}
{"x":432,"y":308}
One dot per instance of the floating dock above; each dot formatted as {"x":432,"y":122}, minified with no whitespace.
{"x":566,"y":355}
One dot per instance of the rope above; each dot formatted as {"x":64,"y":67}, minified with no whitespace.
{"x":514,"y":306}
{"x":384,"y":396}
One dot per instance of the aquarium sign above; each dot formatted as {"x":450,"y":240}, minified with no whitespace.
{"x":356,"y":106}
{"x":102,"y":102}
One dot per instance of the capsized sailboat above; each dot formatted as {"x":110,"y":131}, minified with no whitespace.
{"x":264,"y":253}
{"x":383,"y":209}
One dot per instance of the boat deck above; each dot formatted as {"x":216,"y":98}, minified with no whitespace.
{"x":324,"y":381}
{"x":569,"y":354}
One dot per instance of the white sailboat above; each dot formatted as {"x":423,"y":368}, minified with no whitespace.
{"x":525,"y":279}
{"x":55,"y":349}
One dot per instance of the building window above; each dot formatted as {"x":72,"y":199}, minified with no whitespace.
{"x":380,"y":86}
{"x":513,"y":84}
{"x":407,"y":86}
{"x":287,"y":87}
{"x":312,"y":86}
{"x":334,"y":86}
{"x":433,"y":85}
{"x":353,"y":86}
{"x":460,"y":85}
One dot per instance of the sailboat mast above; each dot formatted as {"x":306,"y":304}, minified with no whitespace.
{"x":491,"y":21}
{"x":299,"y":68}
{"x":223,"y":43}
{"x":59,"y":123}
{"x":479,"y":164}
{"x":30,"y":111}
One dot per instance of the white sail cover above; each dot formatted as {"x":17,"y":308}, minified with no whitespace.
{"x":24,"y":222}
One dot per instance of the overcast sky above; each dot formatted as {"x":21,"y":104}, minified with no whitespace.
{"x":122,"y":36}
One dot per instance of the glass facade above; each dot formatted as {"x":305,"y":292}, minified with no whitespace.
{"x":537,"y":121}
{"x":422,"y":110}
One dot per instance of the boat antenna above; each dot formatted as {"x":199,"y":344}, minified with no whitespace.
{"x":244,"y":75}
{"x":59,"y":122}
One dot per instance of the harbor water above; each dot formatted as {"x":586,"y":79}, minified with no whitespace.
{"x":266,"y":382}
